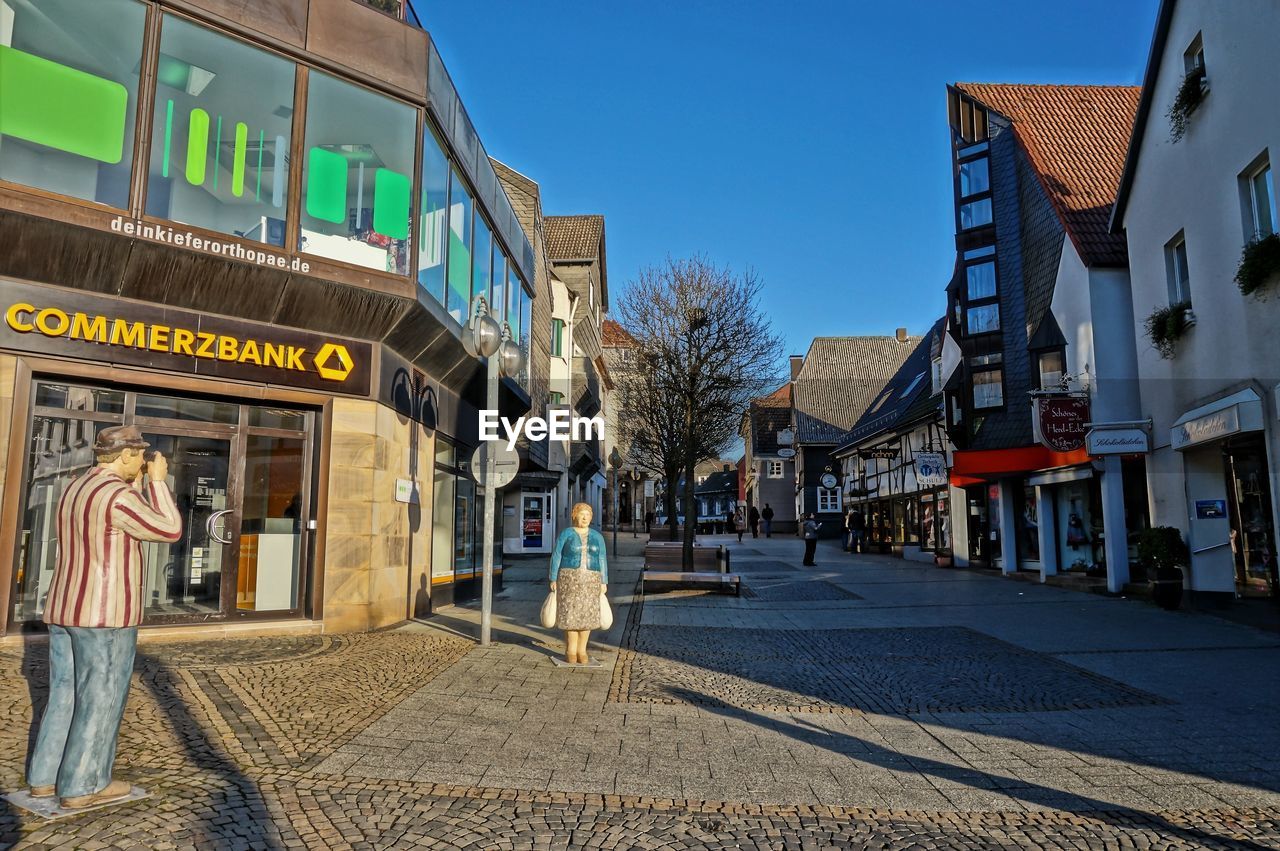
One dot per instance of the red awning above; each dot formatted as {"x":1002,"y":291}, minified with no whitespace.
{"x":977,"y":465}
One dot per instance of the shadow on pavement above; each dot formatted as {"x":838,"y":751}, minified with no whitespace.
{"x":1116,"y":816}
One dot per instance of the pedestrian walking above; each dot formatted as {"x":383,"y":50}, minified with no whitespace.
{"x":767,"y":517}
{"x":753,"y":520}
{"x":648,"y":522}
{"x":731,"y":523}
{"x":739,"y":524}
{"x":810,"y":531}
{"x":857,"y":530}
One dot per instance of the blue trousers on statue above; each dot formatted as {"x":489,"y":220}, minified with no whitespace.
{"x":89,"y":671}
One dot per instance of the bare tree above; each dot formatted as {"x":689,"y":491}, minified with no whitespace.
{"x":704,"y":350}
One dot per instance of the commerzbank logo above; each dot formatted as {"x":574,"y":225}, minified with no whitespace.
{"x":332,"y":361}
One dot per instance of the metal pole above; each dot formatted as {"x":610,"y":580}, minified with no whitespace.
{"x":490,"y":497}
{"x":615,"y":512}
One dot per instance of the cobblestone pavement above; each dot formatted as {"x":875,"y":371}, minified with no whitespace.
{"x":921,"y":708}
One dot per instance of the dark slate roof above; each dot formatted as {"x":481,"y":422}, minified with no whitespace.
{"x":839,"y":380}
{"x":573,"y":237}
{"x":1077,"y":138}
{"x":770,"y":415}
{"x":908,"y":393}
{"x":725,"y":481}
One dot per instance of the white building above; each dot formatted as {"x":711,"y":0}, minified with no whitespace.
{"x":1189,"y":207}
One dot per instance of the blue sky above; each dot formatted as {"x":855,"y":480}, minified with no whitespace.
{"x":804,"y":139}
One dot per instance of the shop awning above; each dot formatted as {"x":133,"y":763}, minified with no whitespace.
{"x":972,"y":466}
{"x":1217,"y":420}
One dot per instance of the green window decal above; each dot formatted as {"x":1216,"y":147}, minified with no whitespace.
{"x":391,"y":191}
{"x":237,"y":164}
{"x":459,"y":267}
{"x":327,"y":186}
{"x":57,"y":106}
{"x":197,"y":146}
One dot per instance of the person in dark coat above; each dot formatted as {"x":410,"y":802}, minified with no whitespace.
{"x":810,"y":531}
{"x":648,"y":522}
{"x":857,"y":530}
{"x":767,"y":516}
{"x":753,"y":520}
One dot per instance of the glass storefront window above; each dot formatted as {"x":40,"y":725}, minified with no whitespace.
{"x":442,"y":524}
{"x":498,"y":294}
{"x":220,"y":135}
{"x":77,"y":398}
{"x":277,"y":418}
{"x":69,"y":84}
{"x":433,"y":219}
{"x":357,"y":180}
{"x":61,"y":449}
{"x":481,"y":257}
{"x":459,"y":297}
{"x":175,"y":408}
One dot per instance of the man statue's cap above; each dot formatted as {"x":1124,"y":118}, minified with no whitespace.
{"x":119,"y":437}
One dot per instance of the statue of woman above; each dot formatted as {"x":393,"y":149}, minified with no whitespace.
{"x":579,"y":576}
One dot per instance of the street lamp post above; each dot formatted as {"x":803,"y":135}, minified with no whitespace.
{"x":635,"y":489}
{"x":489,"y":339}
{"x":615,"y":461}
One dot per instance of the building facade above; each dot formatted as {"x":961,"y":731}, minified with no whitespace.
{"x":833,"y":385}
{"x":1193,"y":210}
{"x":769,"y":478}
{"x":262,"y":243}
{"x":894,"y":461}
{"x":1040,"y":344}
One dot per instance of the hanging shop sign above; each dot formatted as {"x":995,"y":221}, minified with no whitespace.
{"x":48,"y":321}
{"x":786,"y":452}
{"x":931,"y":469}
{"x":1103,"y":439}
{"x":1061,"y":422}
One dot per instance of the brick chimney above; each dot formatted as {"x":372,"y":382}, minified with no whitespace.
{"x":797,"y":361}
{"x":902,"y":335}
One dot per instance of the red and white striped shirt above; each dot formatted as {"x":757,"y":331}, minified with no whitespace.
{"x":102,"y":520}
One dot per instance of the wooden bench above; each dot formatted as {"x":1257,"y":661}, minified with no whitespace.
{"x":664,"y":567}
{"x":665,"y":580}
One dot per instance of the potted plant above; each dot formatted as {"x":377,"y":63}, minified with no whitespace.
{"x":1164,"y":554}
{"x":1166,"y":325}
{"x":1259,"y":264}
{"x":1190,"y":95}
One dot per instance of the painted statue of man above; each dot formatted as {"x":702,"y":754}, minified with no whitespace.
{"x":94,"y":606}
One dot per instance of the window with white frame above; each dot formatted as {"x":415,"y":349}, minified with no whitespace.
{"x":1260,"y":199}
{"x":775,"y":469}
{"x":828,"y":499}
{"x":1177,"y":269}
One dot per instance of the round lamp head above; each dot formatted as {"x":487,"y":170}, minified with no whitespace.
{"x":615,"y":458}
{"x":510,"y":358}
{"x":488,"y":335}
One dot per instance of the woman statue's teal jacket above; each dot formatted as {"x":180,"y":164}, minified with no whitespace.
{"x":568,"y":553}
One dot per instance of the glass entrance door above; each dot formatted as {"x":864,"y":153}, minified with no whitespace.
{"x":185,"y":580}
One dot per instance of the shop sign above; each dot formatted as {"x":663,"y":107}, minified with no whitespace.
{"x":1211,"y":509}
{"x":786,"y":437}
{"x":786,"y":452}
{"x":883,"y":454}
{"x":931,"y":469}
{"x":1060,"y":422}
{"x":42,"y":320}
{"x":1213,"y":426}
{"x":1117,"y":441}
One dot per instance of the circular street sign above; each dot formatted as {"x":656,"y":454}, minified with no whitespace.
{"x":829,"y":480}
{"x":506,"y":463}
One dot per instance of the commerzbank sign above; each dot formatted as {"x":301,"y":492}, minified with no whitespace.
{"x":43,"y":320}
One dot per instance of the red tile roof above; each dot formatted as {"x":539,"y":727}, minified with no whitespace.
{"x":780,"y":398}
{"x":613,"y":334}
{"x":1076,"y":138}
